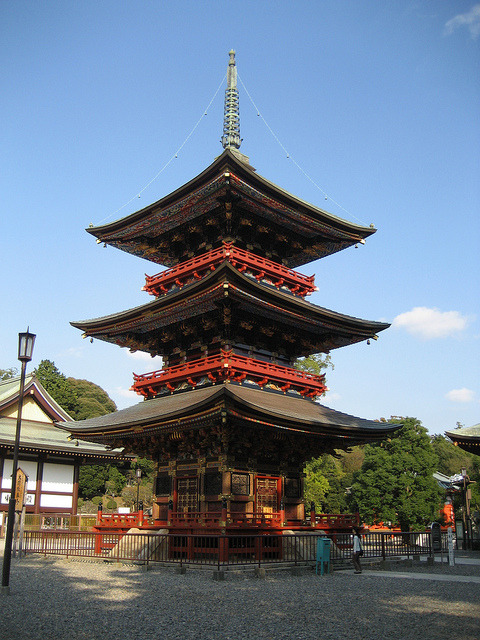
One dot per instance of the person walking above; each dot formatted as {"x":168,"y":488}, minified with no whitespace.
{"x":357,"y":550}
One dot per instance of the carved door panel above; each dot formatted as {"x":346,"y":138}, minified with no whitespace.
{"x":267,"y":495}
{"x":187,"y":495}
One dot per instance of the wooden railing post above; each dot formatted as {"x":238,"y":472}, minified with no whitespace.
{"x":313,"y":519}
{"x":99,"y":513}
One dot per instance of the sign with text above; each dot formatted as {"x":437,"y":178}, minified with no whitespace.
{"x":20,"y":489}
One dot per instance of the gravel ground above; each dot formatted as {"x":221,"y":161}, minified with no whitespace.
{"x":74,"y":600}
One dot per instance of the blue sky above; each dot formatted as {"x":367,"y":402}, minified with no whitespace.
{"x":375,"y":104}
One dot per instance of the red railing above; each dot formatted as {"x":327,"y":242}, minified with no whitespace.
{"x":216,"y":519}
{"x":261,"y":268}
{"x":232,"y":367}
{"x":224,"y":550}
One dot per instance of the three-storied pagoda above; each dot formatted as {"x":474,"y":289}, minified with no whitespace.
{"x":229,"y":421}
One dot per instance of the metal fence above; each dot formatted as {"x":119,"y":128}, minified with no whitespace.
{"x":222,"y":550}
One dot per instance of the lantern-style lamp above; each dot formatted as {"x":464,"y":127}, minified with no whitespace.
{"x":25,"y":346}
{"x":25,"y":350}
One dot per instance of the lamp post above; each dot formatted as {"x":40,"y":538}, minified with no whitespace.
{"x":139,"y":477}
{"x":466,"y":509}
{"x":25,"y":349}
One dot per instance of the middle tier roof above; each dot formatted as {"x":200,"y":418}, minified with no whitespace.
{"x":227,"y":306}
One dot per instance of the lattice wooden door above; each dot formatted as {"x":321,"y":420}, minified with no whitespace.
{"x":267,"y":495}
{"x":187,"y":495}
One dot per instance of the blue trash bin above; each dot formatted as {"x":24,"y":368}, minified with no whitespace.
{"x":323,"y":555}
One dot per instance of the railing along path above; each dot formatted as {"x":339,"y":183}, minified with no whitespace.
{"x":222,"y":550}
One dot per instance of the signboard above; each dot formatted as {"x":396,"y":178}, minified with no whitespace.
{"x":20,"y":489}
{"x":436,"y":537}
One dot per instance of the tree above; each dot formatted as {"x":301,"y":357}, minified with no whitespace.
{"x":450,"y":458}
{"x":92,"y":400}
{"x":91,"y":480}
{"x":6,"y":374}
{"x":57,"y":385}
{"x":396,"y":481}
{"x":116,"y":481}
{"x":328,"y":479}
{"x":81,"y":399}
{"x":315,"y":364}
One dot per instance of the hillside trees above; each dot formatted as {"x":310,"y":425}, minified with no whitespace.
{"x":395,"y":483}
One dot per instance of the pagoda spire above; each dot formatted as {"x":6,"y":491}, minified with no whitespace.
{"x":231,"y":115}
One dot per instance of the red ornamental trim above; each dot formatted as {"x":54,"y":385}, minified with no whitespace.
{"x":242,"y":260}
{"x":228,"y":366}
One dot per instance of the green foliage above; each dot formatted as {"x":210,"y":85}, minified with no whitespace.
{"x":92,"y":400}
{"x":92,"y":479}
{"x":57,"y":385}
{"x":81,"y":399}
{"x":451,"y":458}
{"x":111,"y":504}
{"x":116,"y":481}
{"x":395,"y":483}
{"x":316,"y":483}
{"x":328,"y":479}
{"x":314,"y":364}
{"x":129,"y":495}
{"x":6,"y":374}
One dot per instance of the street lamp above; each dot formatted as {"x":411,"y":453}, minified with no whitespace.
{"x":466,"y":509}
{"x":139,"y":477}
{"x":25,"y":349}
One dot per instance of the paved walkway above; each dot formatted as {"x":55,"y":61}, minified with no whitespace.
{"x":412,"y":575}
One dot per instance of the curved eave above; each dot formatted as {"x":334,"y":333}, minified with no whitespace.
{"x":270,"y":409}
{"x":67,"y":452}
{"x":35,"y":389}
{"x":108,"y":328}
{"x":110,"y":233}
{"x":467,"y":438}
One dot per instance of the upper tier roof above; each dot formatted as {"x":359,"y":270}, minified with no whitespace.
{"x":258,"y":315}
{"x":230,"y":201}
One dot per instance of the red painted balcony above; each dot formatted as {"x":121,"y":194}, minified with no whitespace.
{"x":260,"y":268}
{"x":228,"y":366}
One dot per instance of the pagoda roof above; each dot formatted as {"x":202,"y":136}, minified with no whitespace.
{"x":327,"y":329}
{"x":467,"y":438}
{"x":266,"y":408}
{"x":39,"y":433}
{"x":310,"y":232}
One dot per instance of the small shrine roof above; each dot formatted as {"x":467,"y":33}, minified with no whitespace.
{"x":274,"y":409}
{"x":38,"y":431}
{"x":193,"y":300}
{"x":467,"y":438}
{"x":321,"y":233}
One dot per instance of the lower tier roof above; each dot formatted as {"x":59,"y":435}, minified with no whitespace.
{"x":267,"y":408}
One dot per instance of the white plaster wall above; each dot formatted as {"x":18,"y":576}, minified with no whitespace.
{"x":63,"y":502}
{"x":28,"y":466}
{"x":57,"y":477}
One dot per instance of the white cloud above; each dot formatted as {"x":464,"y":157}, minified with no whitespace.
{"x":461,"y":395}
{"x":71,"y":352}
{"x":330,"y":397}
{"x":430,"y":323}
{"x":125,"y":393}
{"x":156,"y":362}
{"x":470,"y":20}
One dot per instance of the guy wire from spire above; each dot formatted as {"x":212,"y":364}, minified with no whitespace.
{"x":138,"y":194}
{"x":327,"y":197}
